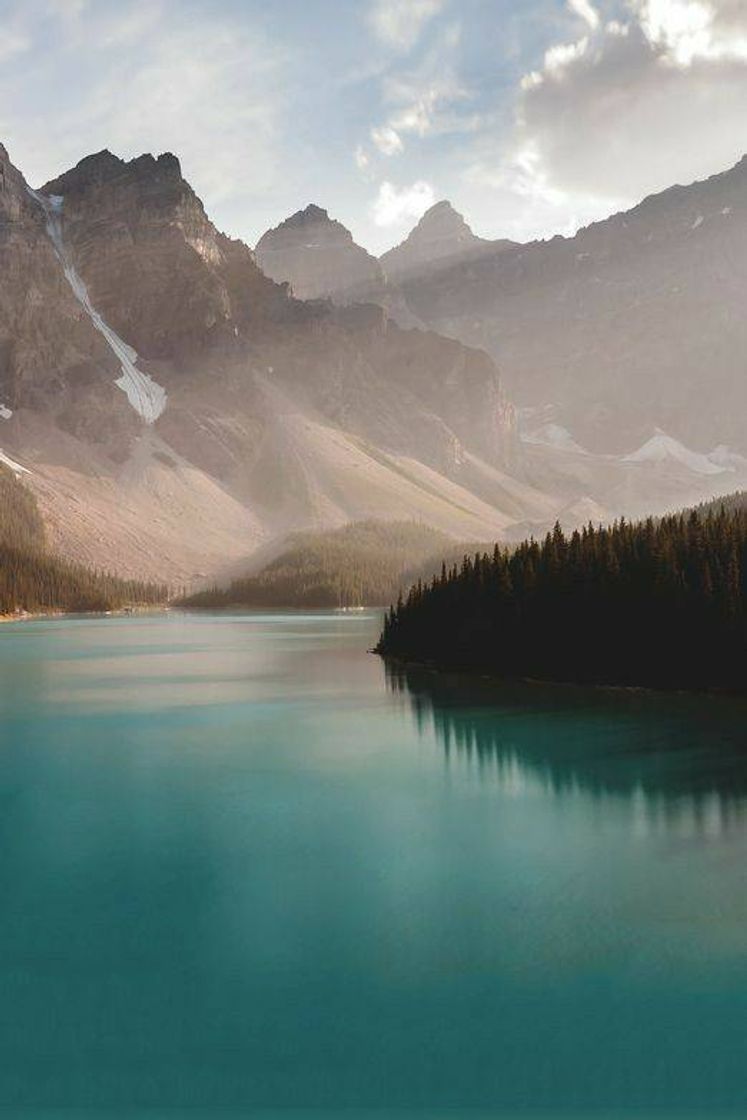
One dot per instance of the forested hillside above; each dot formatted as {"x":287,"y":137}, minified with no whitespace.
{"x":660,"y":603}
{"x":33,"y":580}
{"x":21,"y":525}
{"x":362,"y":564}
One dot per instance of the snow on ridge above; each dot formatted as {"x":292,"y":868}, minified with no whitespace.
{"x":555,"y":436}
{"x":5,"y":412}
{"x":144,"y":394}
{"x":662,"y":447}
{"x":14,"y":466}
{"x":727,"y":459}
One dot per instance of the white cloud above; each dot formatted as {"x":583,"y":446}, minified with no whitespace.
{"x":685,"y":31}
{"x":632,"y":107}
{"x":423,"y":98}
{"x":362,"y":159}
{"x":559,"y":57}
{"x":396,"y":205}
{"x":400,"y":23}
{"x":387,"y":140}
{"x":586,"y":11}
{"x":634,"y":104}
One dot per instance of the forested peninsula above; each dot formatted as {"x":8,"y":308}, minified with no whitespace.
{"x":660,"y":603}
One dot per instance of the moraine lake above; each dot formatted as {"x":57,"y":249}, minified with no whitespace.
{"x":246,"y":870}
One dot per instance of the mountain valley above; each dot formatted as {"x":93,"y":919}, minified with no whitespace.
{"x":174,"y":408}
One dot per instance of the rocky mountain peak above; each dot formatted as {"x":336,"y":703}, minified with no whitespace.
{"x":310,"y":216}
{"x":441,"y":236}
{"x":150,"y":174}
{"x":318,"y":257}
{"x":442,"y":220}
{"x":306,"y":229}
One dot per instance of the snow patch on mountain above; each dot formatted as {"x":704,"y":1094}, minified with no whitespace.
{"x":662,"y":447}
{"x":14,"y":466}
{"x":555,"y":436}
{"x":144,"y":394}
{"x":5,"y":413}
{"x":727,"y":459}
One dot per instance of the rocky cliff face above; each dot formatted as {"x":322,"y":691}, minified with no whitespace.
{"x":319,"y":259}
{"x":151,"y":370}
{"x":52,"y":360}
{"x":635,"y":323}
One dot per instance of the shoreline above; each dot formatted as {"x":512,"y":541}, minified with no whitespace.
{"x":487,"y":678}
{"x":118,"y":612}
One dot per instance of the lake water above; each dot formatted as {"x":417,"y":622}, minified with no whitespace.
{"x":242,"y":868}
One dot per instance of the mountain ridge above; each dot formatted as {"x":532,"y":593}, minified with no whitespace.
{"x":631,"y":324}
{"x":273,"y":405}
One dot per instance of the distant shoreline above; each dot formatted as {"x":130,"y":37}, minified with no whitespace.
{"x":119,"y":612}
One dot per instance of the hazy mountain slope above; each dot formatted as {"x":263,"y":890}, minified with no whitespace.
{"x":551,"y":473}
{"x":363,"y":563}
{"x":175,"y":406}
{"x":636,"y":322}
{"x":34,"y":578}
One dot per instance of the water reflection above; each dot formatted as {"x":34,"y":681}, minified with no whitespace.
{"x":679,"y":762}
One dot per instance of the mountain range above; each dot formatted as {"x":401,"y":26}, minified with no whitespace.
{"x":175,"y":400}
{"x":634,"y":323}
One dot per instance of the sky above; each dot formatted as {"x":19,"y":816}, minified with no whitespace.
{"x":533,"y":117}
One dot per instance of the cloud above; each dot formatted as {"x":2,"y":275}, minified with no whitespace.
{"x":685,"y":31}
{"x":424,"y":99}
{"x":362,"y":158}
{"x":586,"y":11}
{"x":628,"y":108}
{"x":400,"y":23}
{"x":396,"y":205}
{"x":387,"y":140}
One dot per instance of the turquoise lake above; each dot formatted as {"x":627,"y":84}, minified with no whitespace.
{"x":244,"y":870}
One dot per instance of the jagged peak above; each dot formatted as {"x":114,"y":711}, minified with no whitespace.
{"x":441,"y":234}
{"x":312,"y":213}
{"x":443,"y":220}
{"x":311,"y":218}
{"x":100,"y":167}
{"x":443,"y":206}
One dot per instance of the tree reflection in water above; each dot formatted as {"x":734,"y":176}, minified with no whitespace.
{"x":678,"y":761}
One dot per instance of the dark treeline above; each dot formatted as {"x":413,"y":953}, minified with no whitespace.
{"x":731,"y":503}
{"x":361,"y":564}
{"x":660,"y":603}
{"x":33,"y":580}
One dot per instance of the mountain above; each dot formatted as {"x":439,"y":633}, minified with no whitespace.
{"x":318,"y":257}
{"x":32,"y":579}
{"x":635,"y":323}
{"x":365,"y":563}
{"x":441,"y":239}
{"x":171,"y":407}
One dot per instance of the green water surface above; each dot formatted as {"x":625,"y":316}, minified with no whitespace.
{"x":244,"y":870}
